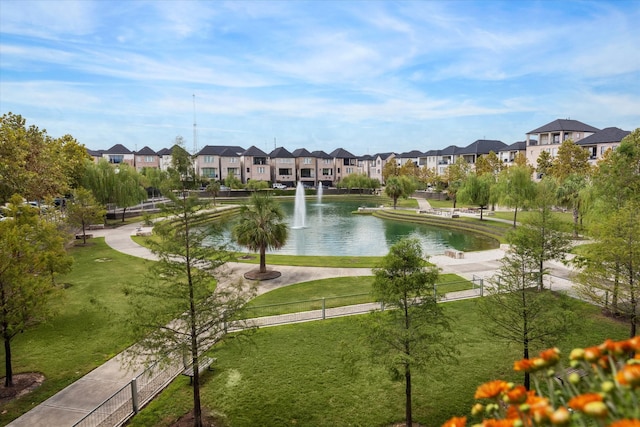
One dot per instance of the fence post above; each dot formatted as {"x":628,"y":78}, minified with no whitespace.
{"x":134,"y":395}
{"x":381,"y":306}
{"x":481,"y":287}
{"x":324,"y":306}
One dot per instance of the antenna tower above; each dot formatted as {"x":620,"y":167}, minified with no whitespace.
{"x":195,"y":134}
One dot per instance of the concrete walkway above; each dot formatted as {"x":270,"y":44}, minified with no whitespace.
{"x":74,"y":402}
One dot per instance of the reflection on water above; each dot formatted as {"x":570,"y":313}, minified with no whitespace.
{"x":331,"y":229}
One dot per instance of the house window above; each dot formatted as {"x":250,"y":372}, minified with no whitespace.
{"x":283,"y":171}
{"x":348,"y":170}
{"x":248,"y":170}
{"x":307,"y":161}
{"x":259,"y":160}
{"x":210,"y":172}
{"x":306,"y":173}
{"x":327,"y":161}
{"x":233,"y":160}
{"x":261,"y":169}
{"x":285,"y":160}
{"x":232,"y":171}
{"x":209,"y":159}
{"x":116,"y":158}
{"x":327,"y":172}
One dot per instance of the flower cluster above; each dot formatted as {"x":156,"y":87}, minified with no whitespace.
{"x":600,"y":387}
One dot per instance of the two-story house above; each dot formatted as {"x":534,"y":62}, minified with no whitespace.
{"x":119,"y":154}
{"x":306,"y":167}
{"x":446,"y":157}
{"x":344,"y":162}
{"x":146,"y":158}
{"x":481,"y":147}
{"x":326,"y":173}
{"x":208,"y":160}
{"x":380,"y":160}
{"x":283,"y":167}
{"x":602,"y":141}
{"x":164,"y":158}
{"x":255,"y":164}
{"x":231,"y":163}
{"x":509,"y":153}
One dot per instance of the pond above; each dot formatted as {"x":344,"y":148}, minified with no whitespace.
{"x":332,"y":229}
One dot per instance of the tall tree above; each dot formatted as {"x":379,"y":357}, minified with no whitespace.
{"x":184,"y":285}
{"x":261,"y":226}
{"x":489,"y":164}
{"x":128,"y":190}
{"x":413,"y":331}
{"x":518,"y":313}
{"x":544,"y":162}
{"x":390,"y":169}
{"x":84,"y":210}
{"x":609,"y":268}
{"x":213,"y":189}
{"x":476,"y":190}
{"x":515,"y":189}
{"x":541,"y":234}
{"x":455,"y":176}
{"x":182,"y":169}
{"x":571,"y":193}
{"x":571,"y":159}
{"x":31,"y":251}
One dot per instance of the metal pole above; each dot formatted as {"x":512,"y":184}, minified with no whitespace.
{"x":134,"y":395}
{"x":323,"y":308}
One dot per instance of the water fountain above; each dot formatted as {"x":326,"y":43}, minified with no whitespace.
{"x":319,"y":193}
{"x":300,"y":208}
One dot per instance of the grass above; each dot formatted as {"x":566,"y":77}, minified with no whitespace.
{"x":321,"y":374}
{"x":337,"y":292}
{"x":83,"y":335}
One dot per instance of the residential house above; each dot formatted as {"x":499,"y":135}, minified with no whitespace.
{"x":231,"y":163}
{"x":326,"y":173}
{"x":119,"y":154}
{"x":365,"y":164}
{"x":255,"y":164}
{"x":602,"y":141}
{"x":481,"y":147}
{"x":509,"y":153}
{"x":409,"y":156}
{"x":306,"y":167}
{"x":446,"y":157}
{"x":344,"y":162}
{"x":283,"y":167}
{"x":164,"y":158}
{"x":549,"y":137}
{"x":208,"y":163}
{"x":146,"y":158}
{"x":430,"y":159}
{"x":380,"y":160}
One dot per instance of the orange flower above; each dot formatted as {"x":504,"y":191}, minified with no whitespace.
{"x":596,"y":409}
{"x":517,"y":395}
{"x":497,"y":423}
{"x":578,"y":403}
{"x":592,"y":354}
{"x":605,"y":363}
{"x":524,"y":365}
{"x":625,"y":423}
{"x":616,"y":348}
{"x":629,"y":375}
{"x":455,"y":422}
{"x":634,"y":343}
{"x":491,"y":390}
{"x":551,"y":355}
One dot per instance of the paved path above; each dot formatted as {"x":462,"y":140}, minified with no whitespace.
{"x":78,"y":399}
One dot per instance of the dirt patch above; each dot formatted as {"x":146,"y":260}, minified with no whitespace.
{"x":256,"y":275}
{"x":23,"y":384}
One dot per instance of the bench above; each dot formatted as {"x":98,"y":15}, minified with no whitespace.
{"x":96,"y":227}
{"x":204,"y":363}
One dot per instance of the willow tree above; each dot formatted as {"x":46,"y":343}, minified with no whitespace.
{"x":476,"y":190}
{"x":515,"y":189}
{"x":261,"y":226}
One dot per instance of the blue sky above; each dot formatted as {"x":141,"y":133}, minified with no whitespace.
{"x":366,"y":76}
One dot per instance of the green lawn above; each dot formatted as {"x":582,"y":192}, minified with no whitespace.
{"x":320,"y":374}
{"x":84,"y":334}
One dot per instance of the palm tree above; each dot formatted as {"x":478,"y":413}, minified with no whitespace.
{"x":261,"y":226}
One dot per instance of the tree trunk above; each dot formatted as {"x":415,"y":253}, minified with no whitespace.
{"x":8,"y":381}
{"x":515,"y":215}
{"x":481,"y":213}
{"x":576,"y":214}
{"x":123,"y":211}
{"x":408,"y":412}
{"x":263,"y":259}
{"x":84,"y":234}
